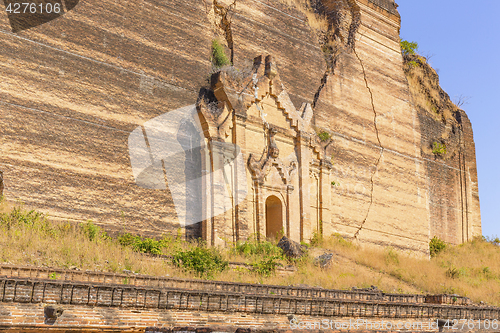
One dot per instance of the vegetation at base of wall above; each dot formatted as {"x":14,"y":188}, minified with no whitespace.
{"x":266,"y":266}
{"x":204,"y":262}
{"x":138,"y":244}
{"x":472,"y":269}
{"x":93,"y":232}
{"x":438,"y":148}
{"x":336,"y":239}
{"x":253,"y":247}
{"x":408,"y":47}
{"x":436,"y":245}
{"x":219,"y":57}
{"x":316,"y":239}
{"x":335,"y":183}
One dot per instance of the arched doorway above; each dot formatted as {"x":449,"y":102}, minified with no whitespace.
{"x":274,"y":217}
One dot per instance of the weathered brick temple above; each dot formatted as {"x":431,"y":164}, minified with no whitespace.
{"x":319,"y":127}
{"x":330,"y":136}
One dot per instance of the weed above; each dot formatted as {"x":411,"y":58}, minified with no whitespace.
{"x":53,"y":276}
{"x":219,"y":57}
{"x":20,"y":217}
{"x":148,"y":245}
{"x":338,"y":239}
{"x":316,"y":239}
{"x":204,"y":262}
{"x":324,"y":136}
{"x":253,"y":247}
{"x":266,"y":267}
{"x":436,"y":245}
{"x":413,"y":64}
{"x":93,"y":232}
{"x":127,"y":239}
{"x":335,"y":183}
{"x":438,"y":148}
{"x":408,"y":47}
{"x":455,"y":273}
{"x":391,"y":256}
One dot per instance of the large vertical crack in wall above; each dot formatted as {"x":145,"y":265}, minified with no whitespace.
{"x":343,"y":18}
{"x":380,"y":145}
{"x":223,"y":20}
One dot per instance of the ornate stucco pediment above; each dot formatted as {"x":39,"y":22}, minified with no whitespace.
{"x":259,"y":97}
{"x":240,"y":90}
{"x":270,"y":157}
{"x":215,"y":119}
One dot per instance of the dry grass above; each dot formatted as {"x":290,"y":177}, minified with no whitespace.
{"x":471,"y":269}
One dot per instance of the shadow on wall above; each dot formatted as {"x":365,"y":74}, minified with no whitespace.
{"x":170,"y":151}
{"x":25,"y":15}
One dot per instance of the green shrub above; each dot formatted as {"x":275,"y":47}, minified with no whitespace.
{"x":266,"y":267}
{"x":148,"y":245}
{"x":413,"y":64}
{"x":204,"y":262}
{"x":253,"y":247}
{"x":408,"y":47}
{"x":316,"y":239}
{"x":21,"y":217}
{"x":324,"y":136}
{"x":438,"y":148}
{"x":93,"y":232}
{"x":436,"y":245}
{"x":219,"y":57}
{"x":127,"y":239}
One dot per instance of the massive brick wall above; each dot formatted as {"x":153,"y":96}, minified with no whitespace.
{"x":392,"y":191}
{"x":73,"y":89}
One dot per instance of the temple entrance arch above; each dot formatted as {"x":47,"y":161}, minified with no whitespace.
{"x":274,"y":216}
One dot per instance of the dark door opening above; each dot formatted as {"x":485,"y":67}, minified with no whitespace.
{"x":274,"y":217}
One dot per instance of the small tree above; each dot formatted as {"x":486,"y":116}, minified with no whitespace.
{"x":408,"y":47}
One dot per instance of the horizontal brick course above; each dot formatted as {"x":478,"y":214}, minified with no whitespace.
{"x":222,"y":286}
{"x":18,"y":290}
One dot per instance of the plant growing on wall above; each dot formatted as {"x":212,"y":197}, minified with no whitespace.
{"x":438,"y":148}
{"x":324,"y":136}
{"x":408,"y":47}
{"x":219,"y":57}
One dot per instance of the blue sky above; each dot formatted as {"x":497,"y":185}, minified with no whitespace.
{"x":464,"y":38}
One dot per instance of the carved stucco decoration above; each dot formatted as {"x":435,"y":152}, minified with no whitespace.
{"x":215,"y":118}
{"x":269,"y":158}
{"x":239,"y":90}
